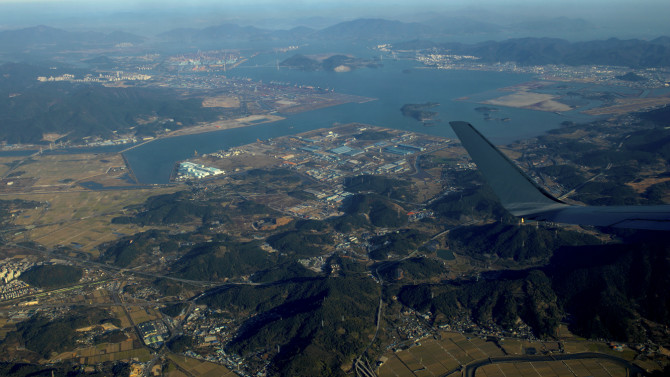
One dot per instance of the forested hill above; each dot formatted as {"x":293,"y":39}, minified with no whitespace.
{"x":94,"y":111}
{"x":615,"y":291}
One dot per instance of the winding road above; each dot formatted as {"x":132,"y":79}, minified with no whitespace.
{"x":632,"y":369}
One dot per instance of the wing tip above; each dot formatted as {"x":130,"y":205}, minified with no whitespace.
{"x":459,"y":124}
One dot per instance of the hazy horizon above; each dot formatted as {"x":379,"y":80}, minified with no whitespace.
{"x":645,"y":19}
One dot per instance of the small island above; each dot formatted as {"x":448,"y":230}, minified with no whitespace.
{"x":485,"y":109}
{"x":420,"y":111}
{"x":486,"y":112}
{"x":328,"y":62}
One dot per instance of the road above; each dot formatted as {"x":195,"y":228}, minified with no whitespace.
{"x":209,"y":286}
{"x":632,"y":370}
{"x":24,"y":159}
{"x":584,"y":183}
{"x":361,"y":365}
{"x":417,"y":170}
{"x":133,"y":271}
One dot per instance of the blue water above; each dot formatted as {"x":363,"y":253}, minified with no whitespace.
{"x":392,"y":87}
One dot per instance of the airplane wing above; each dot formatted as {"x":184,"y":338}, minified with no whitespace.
{"x":522,"y":197}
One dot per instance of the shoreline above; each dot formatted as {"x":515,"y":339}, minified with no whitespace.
{"x":250,"y":121}
{"x":219,"y":125}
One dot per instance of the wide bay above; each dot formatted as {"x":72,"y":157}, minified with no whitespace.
{"x":394,"y":84}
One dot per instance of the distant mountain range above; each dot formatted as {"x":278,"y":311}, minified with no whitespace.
{"x":221,"y":32}
{"x":375,"y":29}
{"x":360,"y":29}
{"x":403,"y":35}
{"x":369,"y":29}
{"x":45,"y":37}
{"x":366,"y":29}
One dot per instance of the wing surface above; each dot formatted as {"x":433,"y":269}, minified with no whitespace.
{"x":523,"y":197}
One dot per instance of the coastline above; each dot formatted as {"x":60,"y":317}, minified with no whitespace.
{"x":248,"y":121}
{"x":333,"y":99}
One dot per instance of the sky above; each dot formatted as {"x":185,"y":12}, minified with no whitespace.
{"x":647,"y":15}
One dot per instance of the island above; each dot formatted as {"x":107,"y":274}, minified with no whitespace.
{"x":420,"y":111}
{"x":327,"y":62}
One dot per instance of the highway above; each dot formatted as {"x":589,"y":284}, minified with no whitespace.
{"x":632,"y":370}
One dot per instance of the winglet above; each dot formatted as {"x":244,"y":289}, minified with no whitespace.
{"x":517,"y":192}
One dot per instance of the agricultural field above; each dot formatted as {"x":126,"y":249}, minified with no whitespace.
{"x":121,"y":315}
{"x":437,"y":357}
{"x":64,"y":171}
{"x":567,"y":368}
{"x":108,"y":352}
{"x":196,"y":367}
{"x":81,"y":218}
{"x":448,"y":355}
{"x":140,"y":315}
